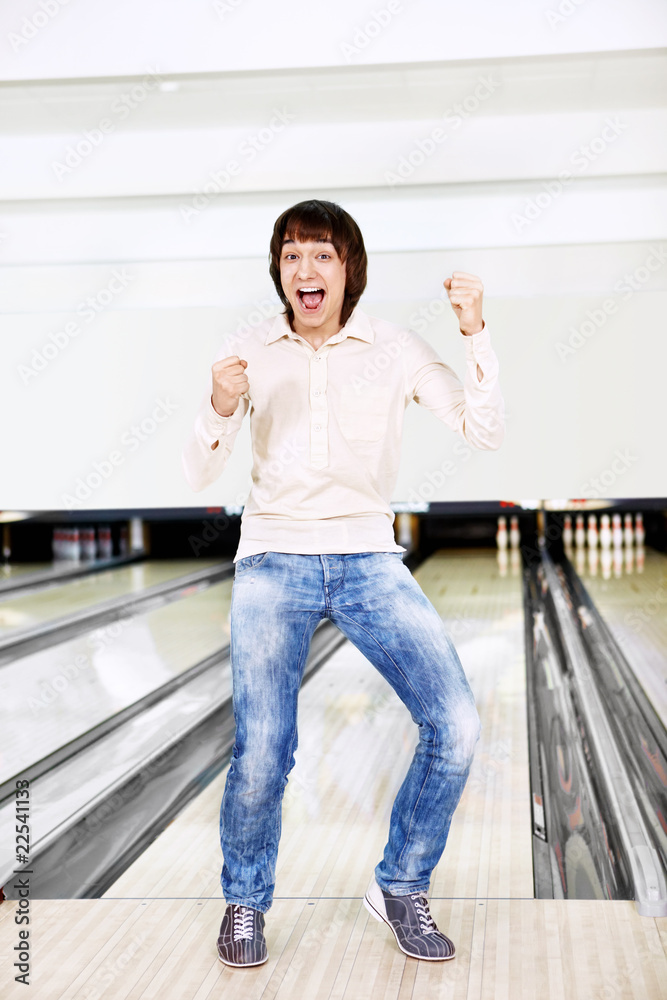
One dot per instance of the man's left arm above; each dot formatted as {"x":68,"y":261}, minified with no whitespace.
{"x":474,"y":408}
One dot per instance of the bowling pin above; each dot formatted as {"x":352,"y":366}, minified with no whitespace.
{"x":628,"y":533}
{"x":592,"y":531}
{"x":567,"y":531}
{"x":105,"y":549}
{"x":640,"y":534}
{"x":579,"y":532}
{"x":605,"y":532}
{"x":617,"y":531}
{"x":501,"y":533}
{"x":515,"y":534}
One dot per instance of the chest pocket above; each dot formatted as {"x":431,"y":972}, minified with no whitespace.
{"x":364,"y":415}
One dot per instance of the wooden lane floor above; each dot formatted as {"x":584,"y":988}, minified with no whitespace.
{"x":56,"y":694}
{"x":23,"y":610}
{"x":153,"y":934}
{"x":331,"y":949}
{"x":634,"y":606}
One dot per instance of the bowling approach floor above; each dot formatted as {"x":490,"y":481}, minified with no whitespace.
{"x":153,"y":933}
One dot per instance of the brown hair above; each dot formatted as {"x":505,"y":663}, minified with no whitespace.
{"x":322,"y":220}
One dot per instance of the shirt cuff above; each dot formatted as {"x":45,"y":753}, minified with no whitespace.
{"x":480,"y":352}
{"x":215,"y":424}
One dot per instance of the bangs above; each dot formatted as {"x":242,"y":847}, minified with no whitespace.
{"x":311,"y":223}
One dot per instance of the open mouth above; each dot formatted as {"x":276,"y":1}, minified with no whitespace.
{"x":311,"y":298}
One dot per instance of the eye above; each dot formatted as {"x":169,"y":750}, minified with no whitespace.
{"x":289,"y":256}
{"x":327,"y":255}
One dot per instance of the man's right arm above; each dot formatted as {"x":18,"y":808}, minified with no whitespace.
{"x":210,"y":444}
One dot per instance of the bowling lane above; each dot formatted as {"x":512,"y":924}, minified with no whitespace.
{"x":26,"y":610}
{"x":54,"y":695}
{"x":16,"y":571}
{"x":356,"y":740}
{"x":634,"y":606}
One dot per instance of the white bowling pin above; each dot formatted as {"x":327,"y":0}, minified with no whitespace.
{"x":515,"y":534}
{"x":640,"y":534}
{"x":605,"y":532}
{"x":579,"y":532}
{"x":501,"y":533}
{"x":628,"y":533}
{"x":567,"y":531}
{"x":592,"y":531}
{"x":617,"y":531}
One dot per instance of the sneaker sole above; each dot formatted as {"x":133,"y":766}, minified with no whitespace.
{"x":242,"y":965}
{"x":383,"y":920}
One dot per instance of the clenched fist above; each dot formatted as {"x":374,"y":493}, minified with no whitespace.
{"x":229,"y":384}
{"x":465,"y":293}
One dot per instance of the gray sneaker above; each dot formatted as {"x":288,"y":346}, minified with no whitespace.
{"x":410,"y":919}
{"x":242,"y":940}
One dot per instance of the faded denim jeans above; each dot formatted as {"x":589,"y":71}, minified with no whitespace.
{"x":278,"y":599}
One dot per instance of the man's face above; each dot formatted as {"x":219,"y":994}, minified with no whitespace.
{"x":317,"y":266}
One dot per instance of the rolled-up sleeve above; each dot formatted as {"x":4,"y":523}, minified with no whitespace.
{"x":473,"y":408}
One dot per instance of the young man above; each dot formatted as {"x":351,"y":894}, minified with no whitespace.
{"x":327,"y":387}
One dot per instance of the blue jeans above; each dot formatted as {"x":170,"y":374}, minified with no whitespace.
{"x":277,"y":600}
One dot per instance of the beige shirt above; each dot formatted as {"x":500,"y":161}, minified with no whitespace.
{"x":326,"y":428}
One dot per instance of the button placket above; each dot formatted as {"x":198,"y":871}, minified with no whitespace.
{"x":319,"y":412}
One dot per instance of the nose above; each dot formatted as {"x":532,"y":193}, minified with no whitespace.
{"x":306,"y":269}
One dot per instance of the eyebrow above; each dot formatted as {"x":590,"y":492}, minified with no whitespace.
{"x":321,"y":240}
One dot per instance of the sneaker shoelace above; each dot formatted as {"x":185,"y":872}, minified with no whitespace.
{"x":426,"y":921}
{"x":243,"y":923}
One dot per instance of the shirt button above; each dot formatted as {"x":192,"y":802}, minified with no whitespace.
{"x":317,"y":427}
{"x":316,"y":393}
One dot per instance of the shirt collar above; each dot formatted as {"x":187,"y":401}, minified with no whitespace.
{"x":358,"y":325}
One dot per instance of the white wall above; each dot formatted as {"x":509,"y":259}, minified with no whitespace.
{"x":485,"y":198}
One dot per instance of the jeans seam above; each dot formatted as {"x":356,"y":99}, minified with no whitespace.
{"x":433,"y":726}
{"x":294,"y":736}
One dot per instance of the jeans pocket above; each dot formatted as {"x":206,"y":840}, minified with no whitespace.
{"x":242,"y":566}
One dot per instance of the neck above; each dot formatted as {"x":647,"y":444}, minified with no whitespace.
{"x":316,"y":336}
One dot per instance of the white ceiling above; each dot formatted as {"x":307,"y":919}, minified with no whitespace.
{"x":101,"y":39}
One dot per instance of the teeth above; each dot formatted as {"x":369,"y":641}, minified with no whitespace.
{"x":310,"y":289}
